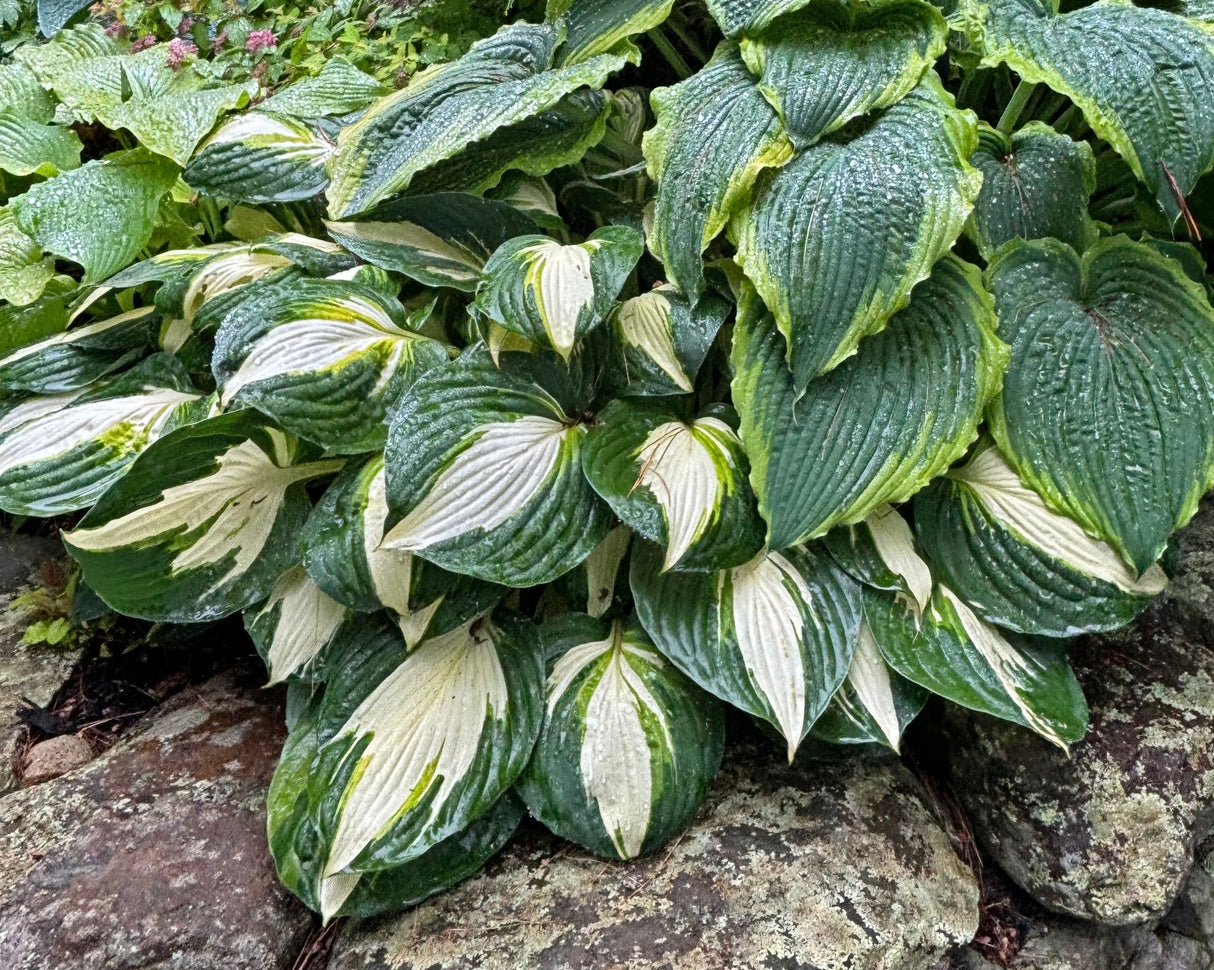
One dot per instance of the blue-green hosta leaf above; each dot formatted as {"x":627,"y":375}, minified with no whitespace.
{"x":24,"y":271}
{"x":874,"y":705}
{"x":559,"y":136}
{"x":22,"y":93}
{"x":629,"y":745}
{"x":484,"y":471}
{"x":553,"y":294}
{"x":428,"y":749}
{"x":1107,"y":408}
{"x":749,"y":16}
{"x":28,"y":147}
{"x":99,"y":215}
{"x":774,"y":637}
{"x":60,"y":460}
{"x":77,"y":357}
{"x":339,"y":89}
{"x":168,"y":111}
{"x":326,"y":359}
{"x":261,"y":157}
{"x":502,"y":80}
{"x":47,"y":315}
{"x":836,"y":240}
{"x":952,"y":652}
{"x":66,"y":50}
{"x":880,"y":552}
{"x":833,"y":62}
{"x":293,"y":626}
{"x":1035,"y":184}
{"x":1141,"y":76}
{"x":343,"y":555}
{"x":714,"y":133}
{"x":439,"y":240}
{"x":879,"y":426}
{"x":54,"y":14}
{"x":664,"y":340}
{"x":201,"y":525}
{"x":681,"y":484}
{"x":1020,"y":564}
{"x":598,"y":26}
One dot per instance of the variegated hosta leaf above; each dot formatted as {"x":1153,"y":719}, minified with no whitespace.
{"x":59,"y":454}
{"x":1020,"y":564}
{"x":1107,"y":408}
{"x":484,"y":471}
{"x":327,"y":359}
{"x":833,"y":62}
{"x":553,"y":294}
{"x":714,"y":133}
{"x":439,"y":240}
{"x":836,"y":240}
{"x":426,"y":750}
{"x":602,"y":570}
{"x":21,"y":326}
{"x":339,"y":89}
{"x":879,"y":426}
{"x":1035,"y":184}
{"x":1141,"y":76}
{"x":880,"y":552}
{"x":293,"y":626}
{"x":749,"y":16}
{"x":952,"y":652}
{"x":77,"y":357}
{"x":293,"y":839}
{"x":201,"y":525}
{"x":629,"y":745}
{"x":598,"y":26}
{"x":554,"y":138}
{"x":343,"y":554}
{"x":502,"y":80}
{"x":261,"y":157}
{"x":681,"y":484}
{"x":99,"y":215}
{"x":774,"y":637}
{"x":664,"y":340}
{"x":874,"y":705}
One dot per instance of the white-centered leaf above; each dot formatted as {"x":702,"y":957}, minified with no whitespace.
{"x":487,"y":483}
{"x":679,"y":483}
{"x":628,"y":746}
{"x":644,"y":323}
{"x":895,"y":544}
{"x":202,"y":523}
{"x":869,"y":677}
{"x":294,"y":625}
{"x":774,"y":636}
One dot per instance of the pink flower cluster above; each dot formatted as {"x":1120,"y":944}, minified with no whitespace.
{"x":179,"y":50}
{"x":260,"y":40}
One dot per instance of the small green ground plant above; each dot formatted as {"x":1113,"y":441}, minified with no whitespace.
{"x":835,"y":355}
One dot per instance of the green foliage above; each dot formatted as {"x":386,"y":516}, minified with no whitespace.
{"x":531,"y":411}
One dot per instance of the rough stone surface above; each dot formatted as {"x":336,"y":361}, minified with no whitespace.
{"x":1107,"y":834}
{"x":154,"y":855}
{"x":28,"y":672}
{"x":54,"y":757}
{"x":1186,"y":607}
{"x":825,"y":866}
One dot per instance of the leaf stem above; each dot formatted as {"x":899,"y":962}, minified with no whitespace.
{"x":1015,"y":107}
{"x":667,"y":50}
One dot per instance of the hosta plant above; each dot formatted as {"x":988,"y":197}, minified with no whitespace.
{"x":810,"y":357}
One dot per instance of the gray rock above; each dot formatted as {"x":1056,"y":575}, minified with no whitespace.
{"x":819,"y":866}
{"x":1065,"y":944}
{"x":20,"y":557}
{"x":28,"y":672}
{"x":1186,"y":607}
{"x":154,"y":855}
{"x":54,"y":757}
{"x":1108,"y":833}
